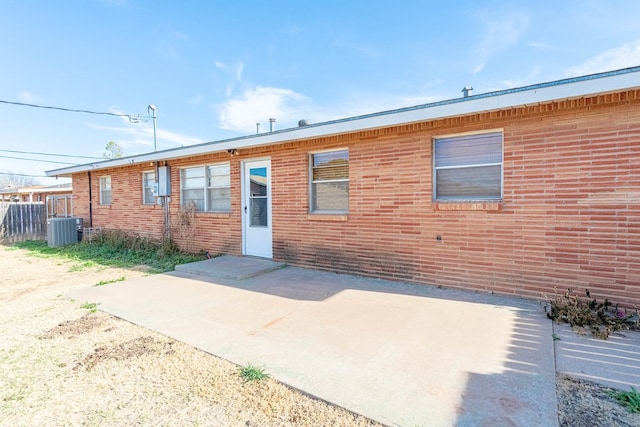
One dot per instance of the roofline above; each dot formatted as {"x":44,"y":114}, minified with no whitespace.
{"x":574,"y":87}
{"x":27,"y":190}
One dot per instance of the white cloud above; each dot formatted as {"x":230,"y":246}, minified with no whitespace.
{"x":627,"y":55}
{"x":139,"y":135}
{"x":360,"y":49}
{"x":196,"y":100}
{"x":234,"y":69}
{"x":29,"y":97}
{"x":410,"y":101}
{"x":501,"y":31}
{"x":238,"y":68}
{"x":531,"y":77}
{"x":370,"y":103}
{"x":128,"y":137}
{"x":235,"y":73}
{"x":181,"y":36}
{"x":258,"y":105}
{"x":541,"y":46}
{"x":168,"y":52}
{"x":177,"y":138}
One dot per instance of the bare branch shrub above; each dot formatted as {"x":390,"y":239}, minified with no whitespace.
{"x":185,"y":224}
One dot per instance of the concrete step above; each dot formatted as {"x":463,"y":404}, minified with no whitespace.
{"x":231,"y":267}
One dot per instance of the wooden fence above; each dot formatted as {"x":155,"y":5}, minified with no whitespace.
{"x":22,"y":221}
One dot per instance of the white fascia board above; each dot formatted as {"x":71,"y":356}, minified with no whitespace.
{"x":530,"y":95}
{"x":51,"y":190}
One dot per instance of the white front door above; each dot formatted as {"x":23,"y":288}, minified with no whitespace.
{"x":256,"y":209}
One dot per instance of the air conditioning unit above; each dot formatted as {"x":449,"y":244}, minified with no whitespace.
{"x":61,"y":231}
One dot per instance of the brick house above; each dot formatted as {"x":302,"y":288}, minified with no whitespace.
{"x":35,"y":193}
{"x":524,"y":191}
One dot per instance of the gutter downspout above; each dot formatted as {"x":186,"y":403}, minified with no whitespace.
{"x":90,"y":202}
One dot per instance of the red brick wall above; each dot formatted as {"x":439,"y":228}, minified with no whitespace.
{"x":570,"y":217}
{"x":215,"y":232}
{"x":81,"y":197}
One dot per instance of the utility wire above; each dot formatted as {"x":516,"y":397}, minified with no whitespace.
{"x":51,"y":154}
{"x":36,"y":160}
{"x":71,"y":110}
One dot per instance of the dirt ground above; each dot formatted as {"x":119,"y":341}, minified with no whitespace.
{"x":62,"y":364}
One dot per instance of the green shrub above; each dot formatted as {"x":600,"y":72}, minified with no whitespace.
{"x":117,"y":249}
{"x":91,"y":306}
{"x":252,"y":373}
{"x":629,"y":399}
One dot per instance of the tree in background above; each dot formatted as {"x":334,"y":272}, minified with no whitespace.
{"x":13,"y":180}
{"x":114,"y":150}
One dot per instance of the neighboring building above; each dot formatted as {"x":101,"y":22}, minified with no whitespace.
{"x":34,"y":193}
{"x":526,"y":191}
{"x":8,"y":195}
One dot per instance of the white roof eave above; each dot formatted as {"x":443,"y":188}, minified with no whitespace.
{"x":531,"y":95}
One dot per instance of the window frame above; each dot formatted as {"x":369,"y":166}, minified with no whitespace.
{"x":103,"y":190}
{"x":206,"y":187}
{"x":435,"y":168}
{"x":153,"y":187}
{"x":312,"y":182}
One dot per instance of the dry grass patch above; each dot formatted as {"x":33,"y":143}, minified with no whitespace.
{"x":60,"y":365}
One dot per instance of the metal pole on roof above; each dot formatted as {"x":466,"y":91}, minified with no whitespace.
{"x":151,"y":109}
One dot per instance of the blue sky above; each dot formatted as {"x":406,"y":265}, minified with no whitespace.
{"x":214,"y":69}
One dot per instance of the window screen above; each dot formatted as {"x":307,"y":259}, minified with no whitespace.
{"x":209,"y":187}
{"x":468,"y":167}
{"x":148,"y":188}
{"x":105,"y":190}
{"x":330,"y":181}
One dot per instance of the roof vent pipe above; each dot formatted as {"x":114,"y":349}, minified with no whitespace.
{"x":257,"y":128}
{"x":272,"y":124}
{"x":466,"y":91}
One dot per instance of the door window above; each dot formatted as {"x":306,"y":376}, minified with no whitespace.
{"x":258,"y":202}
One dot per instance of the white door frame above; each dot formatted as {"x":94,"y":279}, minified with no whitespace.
{"x":257,"y":238}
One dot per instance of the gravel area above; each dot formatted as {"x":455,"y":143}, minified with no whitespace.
{"x":585,"y":404}
{"x":62,"y":364}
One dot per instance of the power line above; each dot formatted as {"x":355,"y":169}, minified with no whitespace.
{"x":36,"y":160}
{"x":70,"y":110}
{"x":52,"y":154}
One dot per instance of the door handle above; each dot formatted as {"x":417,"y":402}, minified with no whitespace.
{"x":245,"y":209}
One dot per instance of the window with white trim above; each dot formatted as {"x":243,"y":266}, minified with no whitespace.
{"x":149,"y":188}
{"x":329,"y":182}
{"x":209,"y":187}
{"x":468,"y":167}
{"x":105,"y":190}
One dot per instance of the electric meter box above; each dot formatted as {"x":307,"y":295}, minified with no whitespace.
{"x":164,"y":181}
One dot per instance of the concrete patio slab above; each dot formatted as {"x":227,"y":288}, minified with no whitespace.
{"x":614,"y":362}
{"x":404,"y":355}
